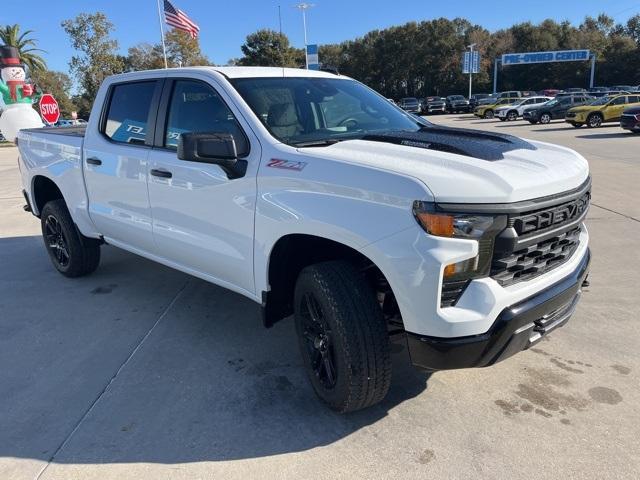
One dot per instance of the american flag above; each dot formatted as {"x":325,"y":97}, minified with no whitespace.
{"x":178,"y":19}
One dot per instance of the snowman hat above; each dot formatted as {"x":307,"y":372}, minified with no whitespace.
{"x":9,"y":57}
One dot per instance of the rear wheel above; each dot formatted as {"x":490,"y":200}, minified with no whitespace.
{"x":512,"y":115}
{"x":71,"y":253}
{"x":545,"y":118}
{"x":488,"y":114}
{"x":342,"y":336}
{"x":594,"y":120}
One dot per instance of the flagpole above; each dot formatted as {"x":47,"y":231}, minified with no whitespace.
{"x":164,"y":48}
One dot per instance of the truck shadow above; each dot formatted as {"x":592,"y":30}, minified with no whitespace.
{"x":139,"y":363}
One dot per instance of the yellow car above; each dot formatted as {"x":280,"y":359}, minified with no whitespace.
{"x":487,"y":111}
{"x":604,"y":109}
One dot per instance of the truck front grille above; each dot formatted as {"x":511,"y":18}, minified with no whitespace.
{"x":536,"y":259}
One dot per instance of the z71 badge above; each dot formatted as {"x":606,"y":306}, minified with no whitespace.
{"x":286,"y":164}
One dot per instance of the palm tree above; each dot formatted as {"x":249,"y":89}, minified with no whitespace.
{"x":10,"y":35}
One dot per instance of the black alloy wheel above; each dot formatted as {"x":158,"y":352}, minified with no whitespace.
{"x":56,"y":242}
{"x":318,"y":341}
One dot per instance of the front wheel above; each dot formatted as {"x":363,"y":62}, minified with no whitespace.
{"x":512,"y":115}
{"x":545,"y":118}
{"x":342,"y":336}
{"x":488,"y":114}
{"x":71,"y":253}
{"x":594,"y":120}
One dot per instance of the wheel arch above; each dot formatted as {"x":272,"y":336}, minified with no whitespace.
{"x":293,"y":252}
{"x":43,"y":190}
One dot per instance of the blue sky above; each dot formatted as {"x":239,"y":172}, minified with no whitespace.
{"x":224,"y":24}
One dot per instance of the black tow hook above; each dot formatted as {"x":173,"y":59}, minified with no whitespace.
{"x":585,"y":282}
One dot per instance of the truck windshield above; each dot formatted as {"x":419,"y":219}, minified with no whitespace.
{"x":302,"y":111}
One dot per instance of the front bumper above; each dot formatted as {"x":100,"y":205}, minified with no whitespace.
{"x":630,"y":124}
{"x":516,"y":328}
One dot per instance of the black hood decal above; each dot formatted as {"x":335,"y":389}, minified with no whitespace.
{"x":460,"y":141}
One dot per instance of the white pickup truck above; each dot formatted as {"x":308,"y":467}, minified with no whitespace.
{"x":312,"y":195}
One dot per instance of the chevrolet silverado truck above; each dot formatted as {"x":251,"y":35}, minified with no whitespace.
{"x":315,"y":197}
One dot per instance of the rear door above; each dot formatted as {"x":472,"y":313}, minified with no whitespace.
{"x":202,"y":220}
{"x":116,"y":165}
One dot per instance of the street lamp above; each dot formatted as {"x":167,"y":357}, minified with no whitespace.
{"x":470,"y":47}
{"x":304,"y":7}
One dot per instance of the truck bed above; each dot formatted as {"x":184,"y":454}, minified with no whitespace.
{"x":71,"y":130}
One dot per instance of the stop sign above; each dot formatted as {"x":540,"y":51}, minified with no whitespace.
{"x":49,"y":110}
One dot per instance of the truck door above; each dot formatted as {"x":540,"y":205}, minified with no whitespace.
{"x":115,"y":156}
{"x":202,"y":220}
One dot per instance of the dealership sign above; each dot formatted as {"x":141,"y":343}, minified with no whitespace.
{"x":544,"y":57}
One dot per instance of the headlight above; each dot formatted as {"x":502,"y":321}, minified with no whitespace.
{"x":481,"y":228}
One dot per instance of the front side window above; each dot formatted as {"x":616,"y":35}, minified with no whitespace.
{"x":128,"y":112}
{"x":299,"y":110}
{"x":197,"y":108}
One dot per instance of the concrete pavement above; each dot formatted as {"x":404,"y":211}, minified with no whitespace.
{"x":138,"y":371}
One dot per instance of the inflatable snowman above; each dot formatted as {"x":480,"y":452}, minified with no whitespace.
{"x":18,"y":96}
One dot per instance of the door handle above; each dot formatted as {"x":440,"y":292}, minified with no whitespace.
{"x":160,"y":173}
{"x":94,"y":161}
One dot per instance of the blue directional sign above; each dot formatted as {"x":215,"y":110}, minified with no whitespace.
{"x":312,"y":57}
{"x":545,"y":57}
{"x":471,"y":62}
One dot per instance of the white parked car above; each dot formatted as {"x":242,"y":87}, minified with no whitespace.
{"x":312,"y":195}
{"x":515,"y":110}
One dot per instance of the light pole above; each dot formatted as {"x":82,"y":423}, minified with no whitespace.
{"x":470,"y":47}
{"x":304,"y":7}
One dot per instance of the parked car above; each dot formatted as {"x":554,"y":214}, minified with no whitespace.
{"x":512,"y":112}
{"x":488,"y":111}
{"x":599,"y":91}
{"x":624,"y":88}
{"x":630,"y":119}
{"x":457,"y":103}
{"x":361,"y":222}
{"x":555,"y":109}
{"x":431,"y":105}
{"x":475,"y":98}
{"x":574,"y":90}
{"x":549,"y":92}
{"x":602,"y":110}
{"x":410,"y":104}
{"x":510,"y":94}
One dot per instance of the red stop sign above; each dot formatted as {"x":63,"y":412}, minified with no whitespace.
{"x":49,"y":110}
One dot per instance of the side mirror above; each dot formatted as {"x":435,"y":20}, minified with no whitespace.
{"x":215,"y":148}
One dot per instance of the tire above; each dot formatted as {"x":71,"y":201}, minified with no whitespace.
{"x":545,"y":118}
{"x":512,"y":115}
{"x":488,"y":114}
{"x":594,"y":120}
{"x":342,"y":336}
{"x":71,"y":253}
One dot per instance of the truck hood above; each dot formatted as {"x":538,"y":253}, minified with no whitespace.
{"x":467,"y":166}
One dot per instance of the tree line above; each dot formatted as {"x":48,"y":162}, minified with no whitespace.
{"x":414,"y":59}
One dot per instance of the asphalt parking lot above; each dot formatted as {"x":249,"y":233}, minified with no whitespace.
{"x":138,"y":371}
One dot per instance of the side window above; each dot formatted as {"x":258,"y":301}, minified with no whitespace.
{"x":128,"y":112}
{"x":197,"y":107}
{"x":618,"y":101}
{"x":634,"y":99}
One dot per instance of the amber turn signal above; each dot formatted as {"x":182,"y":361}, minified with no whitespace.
{"x":436,"y":224}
